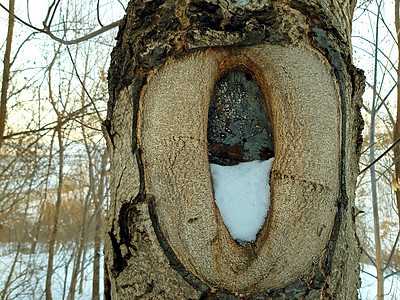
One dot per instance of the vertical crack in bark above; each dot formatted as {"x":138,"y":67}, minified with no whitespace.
{"x":134,"y":92}
{"x":107,"y":284}
{"x":126,"y":224}
{"x":118,"y":260}
{"x":338,"y":63}
{"x":128,"y":211}
{"x":322,"y":42}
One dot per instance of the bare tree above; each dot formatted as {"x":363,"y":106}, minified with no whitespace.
{"x":6,"y":71}
{"x":98,"y":225}
{"x":59,"y":117}
{"x":52,"y":242}
{"x":396,"y":131}
{"x":378,"y":144}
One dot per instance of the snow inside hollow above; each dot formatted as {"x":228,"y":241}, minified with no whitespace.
{"x":242,"y":194}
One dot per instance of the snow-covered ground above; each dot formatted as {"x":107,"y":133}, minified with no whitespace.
{"x":29,"y":278}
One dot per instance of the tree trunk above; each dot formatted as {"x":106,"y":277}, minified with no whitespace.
{"x":53,"y":238}
{"x":80,"y":249}
{"x":165,"y":237}
{"x":98,"y":225}
{"x":396,"y":130}
{"x":6,"y":71}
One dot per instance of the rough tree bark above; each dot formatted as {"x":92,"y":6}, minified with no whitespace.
{"x":165,"y":237}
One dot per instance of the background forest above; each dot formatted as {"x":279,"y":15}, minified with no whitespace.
{"x":54,"y":193}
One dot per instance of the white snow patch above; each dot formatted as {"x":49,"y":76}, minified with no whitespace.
{"x":242,"y":194}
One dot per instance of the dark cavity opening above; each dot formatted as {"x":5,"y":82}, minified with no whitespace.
{"x":238,"y":129}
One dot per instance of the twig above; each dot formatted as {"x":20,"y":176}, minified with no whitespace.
{"x":380,"y":50}
{"x":380,"y":156}
{"x":383,"y":173}
{"x":123,"y":6}
{"x":50,"y":126}
{"x":368,"y":273}
{"x":388,"y":94}
{"x":85,"y":37}
{"x":391,"y":274}
{"x":22,"y":21}
{"x":98,"y":13}
{"x":48,"y":25}
{"x":392,"y":253}
{"x":367,"y":148}
{"x":46,"y":30}
{"x":83,"y":86}
{"x":369,"y":257}
{"x":49,"y":11}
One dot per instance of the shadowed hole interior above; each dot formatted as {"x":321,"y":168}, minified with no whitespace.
{"x":238,"y":126}
{"x":240,"y":150}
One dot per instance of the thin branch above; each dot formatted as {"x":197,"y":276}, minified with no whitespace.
{"x":98,"y":13}
{"x":366,"y":108}
{"x":27,"y":11}
{"x":123,"y":6}
{"x":389,"y":113}
{"x":20,"y":47}
{"x":384,"y":104}
{"x":48,"y":25}
{"x":392,"y":253}
{"x":22,"y":21}
{"x":369,"y":257}
{"x":46,"y":30}
{"x":388,"y":94}
{"x":83,"y":86}
{"x":368,"y":273}
{"x":381,"y":19}
{"x":22,"y":152}
{"x":380,"y":50}
{"x":388,"y":29}
{"x":374,"y":193}
{"x":392,"y":274}
{"x":51,"y":126}
{"x":380,"y":156}
{"x":386,"y":170}
{"x":49,"y":12}
{"x":367,"y":148}
{"x":85,"y":37}
{"x":85,"y":125}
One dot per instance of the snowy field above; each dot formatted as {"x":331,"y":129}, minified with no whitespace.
{"x":29,"y":278}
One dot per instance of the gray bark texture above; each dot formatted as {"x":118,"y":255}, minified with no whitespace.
{"x":165,"y":237}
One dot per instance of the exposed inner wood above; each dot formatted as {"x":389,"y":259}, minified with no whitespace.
{"x":172,"y":133}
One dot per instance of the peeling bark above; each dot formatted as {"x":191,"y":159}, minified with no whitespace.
{"x":168,"y":57}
